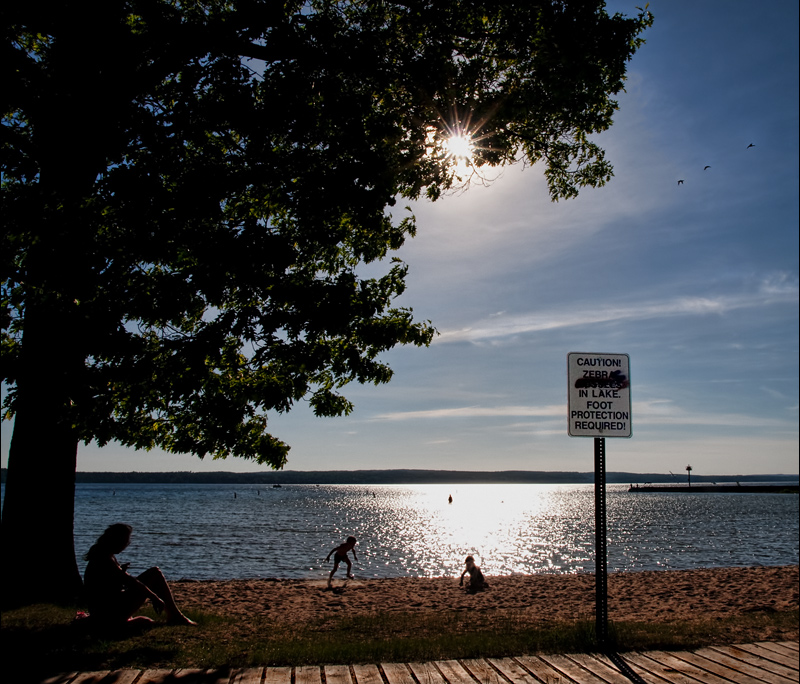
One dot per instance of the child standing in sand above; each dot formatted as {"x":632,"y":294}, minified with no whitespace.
{"x":476,"y":581}
{"x":339,"y":555}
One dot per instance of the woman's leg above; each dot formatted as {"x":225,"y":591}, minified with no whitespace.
{"x":155,"y":581}
{"x":116,"y":611}
{"x":113,"y":616}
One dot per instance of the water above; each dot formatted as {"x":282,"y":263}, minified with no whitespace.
{"x":244,"y":531}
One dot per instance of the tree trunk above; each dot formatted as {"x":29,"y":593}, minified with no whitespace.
{"x":38,"y":511}
{"x":78,"y":118}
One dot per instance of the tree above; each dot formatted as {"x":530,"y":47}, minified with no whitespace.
{"x":189,"y":188}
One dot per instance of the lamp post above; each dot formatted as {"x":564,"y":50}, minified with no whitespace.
{"x":689,"y":474}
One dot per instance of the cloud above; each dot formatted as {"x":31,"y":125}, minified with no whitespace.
{"x":475,"y":412}
{"x":771,"y":292}
{"x":646,"y":413}
{"x":779,"y":284}
{"x":663,"y":412}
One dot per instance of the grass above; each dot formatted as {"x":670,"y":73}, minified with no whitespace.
{"x":43,"y":639}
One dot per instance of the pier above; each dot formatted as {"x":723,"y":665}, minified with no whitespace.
{"x":718,"y":489}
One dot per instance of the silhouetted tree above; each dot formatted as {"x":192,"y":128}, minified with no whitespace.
{"x":188,"y":189}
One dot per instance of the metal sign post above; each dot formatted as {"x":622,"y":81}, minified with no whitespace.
{"x":600,"y":540}
{"x":599,"y":406}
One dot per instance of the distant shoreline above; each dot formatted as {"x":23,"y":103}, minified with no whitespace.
{"x":410,"y":477}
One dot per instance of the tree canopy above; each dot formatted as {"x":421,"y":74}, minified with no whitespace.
{"x":188,"y":190}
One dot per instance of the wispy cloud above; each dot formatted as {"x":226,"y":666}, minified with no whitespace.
{"x":645,"y":413}
{"x":666,"y":413}
{"x":475,"y":412}
{"x":779,"y":284}
{"x":773,"y":291}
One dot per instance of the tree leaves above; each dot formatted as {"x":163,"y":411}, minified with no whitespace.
{"x":192,"y":187}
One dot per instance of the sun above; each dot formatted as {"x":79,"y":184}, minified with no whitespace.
{"x":459,"y":146}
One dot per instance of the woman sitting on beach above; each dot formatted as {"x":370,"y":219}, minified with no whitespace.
{"x":114,"y":596}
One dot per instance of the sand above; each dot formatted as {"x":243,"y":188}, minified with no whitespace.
{"x":647,"y":596}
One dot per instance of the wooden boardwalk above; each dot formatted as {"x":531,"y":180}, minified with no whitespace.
{"x":761,"y":663}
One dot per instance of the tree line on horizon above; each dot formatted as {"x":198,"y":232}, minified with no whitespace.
{"x":399,"y":476}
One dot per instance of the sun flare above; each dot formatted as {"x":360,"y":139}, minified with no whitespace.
{"x":460,"y":146}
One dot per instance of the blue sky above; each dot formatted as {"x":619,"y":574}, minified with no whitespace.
{"x":697,"y":282}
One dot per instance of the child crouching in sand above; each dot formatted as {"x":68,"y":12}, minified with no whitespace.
{"x":339,"y":555}
{"x":476,"y":581}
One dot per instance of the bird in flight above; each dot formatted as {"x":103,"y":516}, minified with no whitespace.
{"x":706,"y":167}
{"x":680,"y":182}
{"x":750,"y":145}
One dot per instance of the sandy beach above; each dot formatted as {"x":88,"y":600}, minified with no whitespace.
{"x":651,"y":596}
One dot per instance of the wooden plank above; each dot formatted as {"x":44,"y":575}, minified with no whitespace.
{"x":622,"y":664}
{"x":308,"y":674}
{"x":367,"y":674}
{"x":600,"y":666}
{"x":453,"y":672}
{"x":542,"y":670}
{"x":722,"y":672}
{"x":750,"y":654}
{"x":91,"y":677}
{"x":783,"y":648}
{"x":571,"y":669}
{"x":251,"y":675}
{"x":483,"y":671}
{"x":790,"y":659}
{"x":217,"y":675}
{"x":63,"y":678}
{"x":154,"y":676}
{"x":765,"y":662}
{"x":338,"y":674}
{"x":672,"y":660}
{"x":396,"y":673}
{"x":197,"y":676}
{"x":513,"y":671}
{"x":122,"y":677}
{"x":426,"y":673}
{"x":740,"y":668}
{"x":277,"y":675}
{"x":647,"y":668}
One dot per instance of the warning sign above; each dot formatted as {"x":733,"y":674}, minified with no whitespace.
{"x":599,"y":395}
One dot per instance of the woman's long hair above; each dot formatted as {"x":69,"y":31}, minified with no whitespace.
{"x":111,"y":540}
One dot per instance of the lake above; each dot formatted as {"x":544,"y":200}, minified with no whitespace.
{"x":243,"y":531}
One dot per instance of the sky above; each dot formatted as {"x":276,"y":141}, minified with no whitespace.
{"x":697,"y":282}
